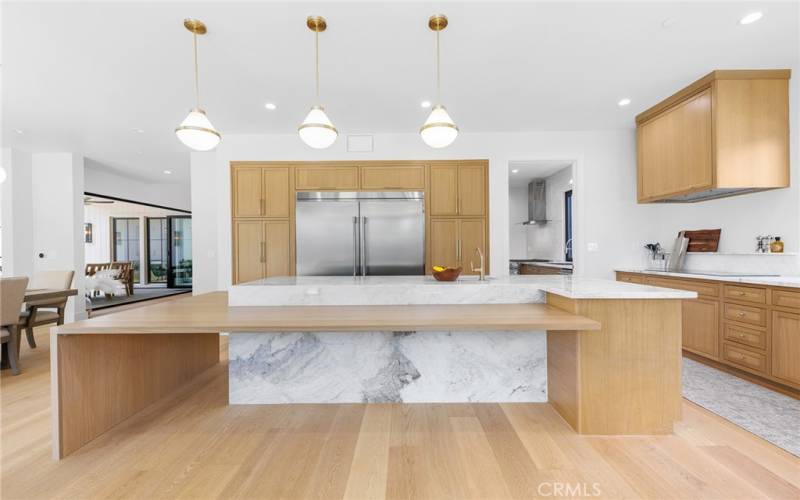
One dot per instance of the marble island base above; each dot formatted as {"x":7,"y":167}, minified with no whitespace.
{"x":387,"y":367}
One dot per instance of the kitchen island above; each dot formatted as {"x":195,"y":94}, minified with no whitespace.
{"x":605,"y":354}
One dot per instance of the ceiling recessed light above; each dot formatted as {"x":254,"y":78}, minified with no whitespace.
{"x":624,"y":102}
{"x":751,"y":18}
{"x":271,"y":106}
{"x":138,"y":152}
{"x":137,"y":130}
{"x":514,"y":171}
{"x":167,"y":172}
{"x":425,"y":104}
{"x":18,"y":131}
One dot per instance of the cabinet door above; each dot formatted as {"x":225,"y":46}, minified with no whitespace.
{"x":326,"y":177}
{"x":276,"y":191}
{"x":675,"y":150}
{"x":701,"y":327}
{"x":410,"y":178}
{"x":278,"y":248}
{"x":786,"y":346}
{"x":444,"y":244}
{"x":471,"y":190}
{"x":247,"y":192}
{"x":472,"y":236}
{"x":248,"y":250}
{"x":444,"y":190}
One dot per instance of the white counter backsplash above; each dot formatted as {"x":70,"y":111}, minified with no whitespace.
{"x":782,"y":264}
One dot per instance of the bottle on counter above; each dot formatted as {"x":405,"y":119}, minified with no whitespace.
{"x":776,"y":246}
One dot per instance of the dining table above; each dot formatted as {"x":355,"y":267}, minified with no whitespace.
{"x":36,"y":294}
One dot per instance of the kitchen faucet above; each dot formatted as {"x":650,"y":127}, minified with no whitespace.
{"x":483,"y":264}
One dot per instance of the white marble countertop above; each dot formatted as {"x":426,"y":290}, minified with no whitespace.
{"x":387,"y":290}
{"x":784,"y":281}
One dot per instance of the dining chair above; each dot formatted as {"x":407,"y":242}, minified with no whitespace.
{"x":44,"y":312}
{"x":12,"y":294}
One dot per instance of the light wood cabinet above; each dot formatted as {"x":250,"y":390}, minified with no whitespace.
{"x":453,"y":243}
{"x":702,"y":142}
{"x":262,"y":248}
{"x":325,"y":177}
{"x":753,"y":328}
{"x":701,"y":327}
{"x":786,"y":346}
{"x":458,"y":189}
{"x":393,"y":177}
{"x":261,"y":192}
{"x":444,"y":190}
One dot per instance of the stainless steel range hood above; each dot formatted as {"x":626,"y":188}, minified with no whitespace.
{"x":537,"y":202}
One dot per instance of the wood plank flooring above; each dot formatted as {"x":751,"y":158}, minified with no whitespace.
{"x":193,"y":445}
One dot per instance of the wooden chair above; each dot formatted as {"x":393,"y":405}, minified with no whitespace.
{"x":12,"y":294}
{"x":39,"y":312}
{"x":92,"y":269}
{"x":125,"y":275}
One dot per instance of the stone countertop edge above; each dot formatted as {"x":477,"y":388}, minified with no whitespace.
{"x":780,"y":281}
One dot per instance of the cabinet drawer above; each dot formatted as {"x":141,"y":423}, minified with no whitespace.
{"x":706,"y":289}
{"x":746,"y":294}
{"x":745,"y":314}
{"x":743,"y":357}
{"x":746,"y":336}
{"x":339,"y":178}
{"x":393,"y":177}
{"x":630,"y":278}
{"x":785,"y":298}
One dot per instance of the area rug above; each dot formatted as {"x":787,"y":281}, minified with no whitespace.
{"x":767,"y":414}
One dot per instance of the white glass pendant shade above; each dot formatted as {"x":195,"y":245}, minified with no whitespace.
{"x":2,"y":175}
{"x":439,"y":130}
{"x":197,"y":133}
{"x":317,"y":130}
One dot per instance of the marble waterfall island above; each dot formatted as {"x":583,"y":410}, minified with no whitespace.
{"x":401,"y":365}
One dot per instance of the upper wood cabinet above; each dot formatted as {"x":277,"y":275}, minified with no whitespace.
{"x":725,"y":134}
{"x":261,"y":192}
{"x":324,"y":177}
{"x":393,"y":177}
{"x":458,"y":189}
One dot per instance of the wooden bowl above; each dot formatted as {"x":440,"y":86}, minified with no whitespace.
{"x":449,"y":274}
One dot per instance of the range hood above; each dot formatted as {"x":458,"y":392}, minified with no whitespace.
{"x":537,"y":202}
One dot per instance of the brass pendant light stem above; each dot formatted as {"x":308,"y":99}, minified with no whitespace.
{"x":316,"y":63}
{"x":438,"y":71}
{"x":196,"y":72}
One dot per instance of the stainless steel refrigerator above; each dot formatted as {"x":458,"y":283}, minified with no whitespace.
{"x":360,"y":233}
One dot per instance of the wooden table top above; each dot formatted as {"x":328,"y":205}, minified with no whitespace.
{"x":208,"y":313}
{"x":48,"y":293}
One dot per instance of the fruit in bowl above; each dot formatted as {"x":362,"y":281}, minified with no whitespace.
{"x":441,"y":273}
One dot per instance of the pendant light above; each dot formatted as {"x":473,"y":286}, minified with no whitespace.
{"x":439,"y":130}
{"x":317,"y":130}
{"x":196,"y":130}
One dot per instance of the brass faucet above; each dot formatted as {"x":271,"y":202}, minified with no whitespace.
{"x":483,"y":264}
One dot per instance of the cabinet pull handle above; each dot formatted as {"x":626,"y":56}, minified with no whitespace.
{"x":263,"y":251}
{"x":741,"y":314}
{"x":263,"y":206}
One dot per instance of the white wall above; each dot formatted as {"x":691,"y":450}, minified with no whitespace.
{"x":16,"y":214}
{"x":58,"y":220}
{"x":546,"y":241}
{"x":518,"y":213}
{"x":206,"y":237}
{"x":105,"y":182}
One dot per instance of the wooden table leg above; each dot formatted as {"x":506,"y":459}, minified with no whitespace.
{"x":99,"y":380}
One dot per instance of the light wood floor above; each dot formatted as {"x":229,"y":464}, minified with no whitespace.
{"x":194,"y":445}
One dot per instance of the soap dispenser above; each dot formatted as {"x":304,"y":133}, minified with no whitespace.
{"x":776,"y":246}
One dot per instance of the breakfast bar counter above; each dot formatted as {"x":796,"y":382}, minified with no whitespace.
{"x":605,"y":354}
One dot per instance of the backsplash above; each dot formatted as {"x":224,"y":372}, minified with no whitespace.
{"x":787,"y":264}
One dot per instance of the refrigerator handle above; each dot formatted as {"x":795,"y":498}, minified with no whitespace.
{"x":363,"y":246}
{"x":356,"y":244}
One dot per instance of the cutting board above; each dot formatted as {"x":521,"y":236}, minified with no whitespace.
{"x":703,"y":240}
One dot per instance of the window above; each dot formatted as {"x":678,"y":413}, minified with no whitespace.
{"x":157,"y":252}
{"x":125,"y":244}
{"x":568,"y":225}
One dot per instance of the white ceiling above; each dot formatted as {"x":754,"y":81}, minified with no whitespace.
{"x":80,"y":76}
{"x":526,"y":171}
